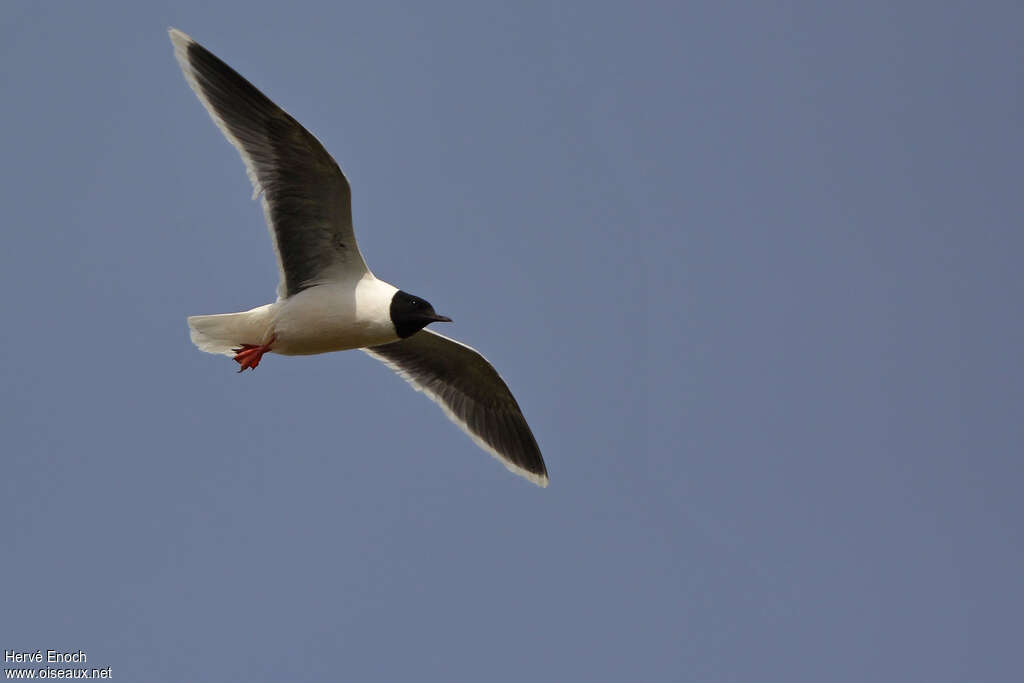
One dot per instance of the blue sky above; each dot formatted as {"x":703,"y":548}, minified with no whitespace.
{"x":751,"y":269}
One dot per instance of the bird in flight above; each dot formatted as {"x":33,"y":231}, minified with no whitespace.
{"x":327,"y":298}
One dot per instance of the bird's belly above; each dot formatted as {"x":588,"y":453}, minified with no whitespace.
{"x":309,"y":325}
{"x":300,"y":342}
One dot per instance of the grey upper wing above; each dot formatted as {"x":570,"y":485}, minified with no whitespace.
{"x":472,"y":395}
{"x":306,"y":198}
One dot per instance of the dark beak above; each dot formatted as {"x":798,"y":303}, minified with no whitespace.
{"x":435,"y":318}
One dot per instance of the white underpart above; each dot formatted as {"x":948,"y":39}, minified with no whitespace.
{"x":334,"y":316}
{"x":328,"y":317}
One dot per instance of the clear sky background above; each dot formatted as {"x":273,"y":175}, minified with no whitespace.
{"x":752,"y":270}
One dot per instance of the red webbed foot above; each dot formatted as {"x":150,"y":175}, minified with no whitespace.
{"x":250,"y":355}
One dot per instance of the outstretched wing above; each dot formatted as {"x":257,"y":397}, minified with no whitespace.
{"x":472,"y":395}
{"x":306,"y":198}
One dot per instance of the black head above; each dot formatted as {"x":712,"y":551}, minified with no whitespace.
{"x":410,"y":314}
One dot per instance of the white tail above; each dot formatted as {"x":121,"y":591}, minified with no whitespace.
{"x":225,"y":332}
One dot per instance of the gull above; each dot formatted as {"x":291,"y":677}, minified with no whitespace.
{"x":327,"y":298}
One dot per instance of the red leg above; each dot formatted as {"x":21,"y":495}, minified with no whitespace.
{"x":249,"y":355}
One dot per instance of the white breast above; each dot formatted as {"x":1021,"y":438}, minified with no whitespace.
{"x":334,"y":317}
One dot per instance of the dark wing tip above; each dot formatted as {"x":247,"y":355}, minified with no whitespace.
{"x":510,"y":437}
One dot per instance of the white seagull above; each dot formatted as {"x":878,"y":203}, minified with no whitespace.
{"x":327,"y":298}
